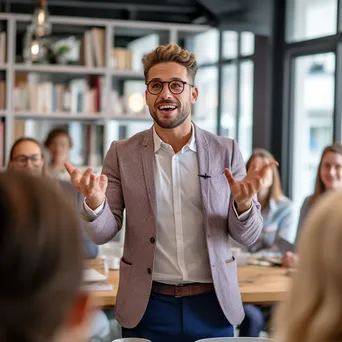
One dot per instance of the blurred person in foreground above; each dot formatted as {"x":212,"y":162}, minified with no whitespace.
{"x":41,"y":263}
{"x":278,"y":213}
{"x":313,"y":310}
{"x":328,"y":178}
{"x":27,"y":155}
{"x":58,"y":142}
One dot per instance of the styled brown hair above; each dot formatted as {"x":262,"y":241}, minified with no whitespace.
{"x":319,"y":186}
{"x":25,"y":139}
{"x":276,"y":191}
{"x":171,"y":53}
{"x":56,"y":132}
{"x":41,"y":258}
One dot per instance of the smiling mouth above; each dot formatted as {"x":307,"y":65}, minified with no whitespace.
{"x":167,"y":108}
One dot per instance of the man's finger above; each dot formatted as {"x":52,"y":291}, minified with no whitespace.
{"x":231,"y":180}
{"x":68,"y":166}
{"x":84,"y":182}
{"x":93,"y":181}
{"x":103,"y":181}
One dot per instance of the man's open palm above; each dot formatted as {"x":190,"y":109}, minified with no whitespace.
{"x":243,"y":191}
{"x":92,"y":187}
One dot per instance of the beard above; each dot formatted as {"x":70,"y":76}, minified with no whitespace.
{"x":182,"y":115}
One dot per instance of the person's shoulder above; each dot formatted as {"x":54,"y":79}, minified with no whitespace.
{"x":307,"y":201}
{"x":135,"y":140}
{"x":214,"y":138}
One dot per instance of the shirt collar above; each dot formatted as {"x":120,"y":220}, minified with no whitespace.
{"x":191,"y":144}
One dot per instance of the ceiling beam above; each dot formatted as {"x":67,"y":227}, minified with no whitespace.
{"x":114,"y":6}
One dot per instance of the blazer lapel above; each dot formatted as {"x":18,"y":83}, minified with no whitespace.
{"x":148,"y":161}
{"x":203,"y":156}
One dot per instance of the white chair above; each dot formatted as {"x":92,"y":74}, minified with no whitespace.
{"x":236,"y":339}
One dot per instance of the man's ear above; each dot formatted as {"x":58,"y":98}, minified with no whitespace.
{"x":194,"y":94}
{"x":79,"y":312}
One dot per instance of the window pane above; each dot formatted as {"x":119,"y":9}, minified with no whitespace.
{"x":204,"y":46}
{"x":228,"y":117}
{"x":230,"y":44}
{"x":313,"y":119}
{"x":205,"y":111}
{"x":246,"y":109}
{"x":307,"y":19}
{"x":247,"y":43}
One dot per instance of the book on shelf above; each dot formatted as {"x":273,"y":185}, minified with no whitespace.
{"x":121,"y":59}
{"x":3,"y":47}
{"x":80,"y":95}
{"x":93,"y":48}
{"x":2,"y":94}
{"x":2,"y":143}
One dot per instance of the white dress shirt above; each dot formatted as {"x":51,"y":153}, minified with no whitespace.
{"x":181,"y":254}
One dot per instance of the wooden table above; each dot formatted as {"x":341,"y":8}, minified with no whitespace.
{"x":258,"y":285}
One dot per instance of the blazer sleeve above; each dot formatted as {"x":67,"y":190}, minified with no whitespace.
{"x":109,"y":222}
{"x":244,"y":231}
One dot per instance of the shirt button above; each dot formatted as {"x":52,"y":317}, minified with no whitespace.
{"x":152,"y":240}
{"x":149,"y":271}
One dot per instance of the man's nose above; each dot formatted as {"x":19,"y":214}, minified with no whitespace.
{"x":165,"y":93}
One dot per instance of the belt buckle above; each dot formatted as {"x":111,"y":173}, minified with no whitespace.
{"x":176,"y":286}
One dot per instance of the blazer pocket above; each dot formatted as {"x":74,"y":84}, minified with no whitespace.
{"x":228,"y":261}
{"x":125,"y":263}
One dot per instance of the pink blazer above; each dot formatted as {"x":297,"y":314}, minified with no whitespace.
{"x":129,"y":165}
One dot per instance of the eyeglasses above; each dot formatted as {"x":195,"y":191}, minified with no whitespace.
{"x":176,"y":87}
{"x":23,"y":160}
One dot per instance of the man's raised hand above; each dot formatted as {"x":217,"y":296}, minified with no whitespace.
{"x":92,"y":187}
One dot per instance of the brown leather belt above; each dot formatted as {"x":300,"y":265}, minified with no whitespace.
{"x":182,"y":290}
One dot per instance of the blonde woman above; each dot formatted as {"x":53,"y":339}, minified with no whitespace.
{"x":328,"y":178}
{"x":313,"y":310}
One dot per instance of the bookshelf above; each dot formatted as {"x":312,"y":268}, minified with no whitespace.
{"x":110,"y":53}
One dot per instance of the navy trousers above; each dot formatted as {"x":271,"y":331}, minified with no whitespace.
{"x":253,"y":323}
{"x":185,"y":319}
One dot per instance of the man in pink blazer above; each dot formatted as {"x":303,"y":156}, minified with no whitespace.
{"x":186,"y":193}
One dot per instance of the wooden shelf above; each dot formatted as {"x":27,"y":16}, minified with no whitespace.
{"x":131,"y":117}
{"x":66,"y":69}
{"x":129,"y":74}
{"x":78,"y":116}
{"x":59,"y":116}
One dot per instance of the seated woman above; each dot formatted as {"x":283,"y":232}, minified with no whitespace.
{"x":328,"y":178}
{"x":313,"y":309}
{"x":58,"y":143}
{"x":277,"y":210}
{"x":278,"y":214}
{"x":41,"y":255}
{"x":27,"y":155}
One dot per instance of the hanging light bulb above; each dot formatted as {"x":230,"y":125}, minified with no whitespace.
{"x":36,"y":48}
{"x":40,"y":21}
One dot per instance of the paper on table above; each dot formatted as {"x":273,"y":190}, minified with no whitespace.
{"x":90,"y":275}
{"x":97,"y":287}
